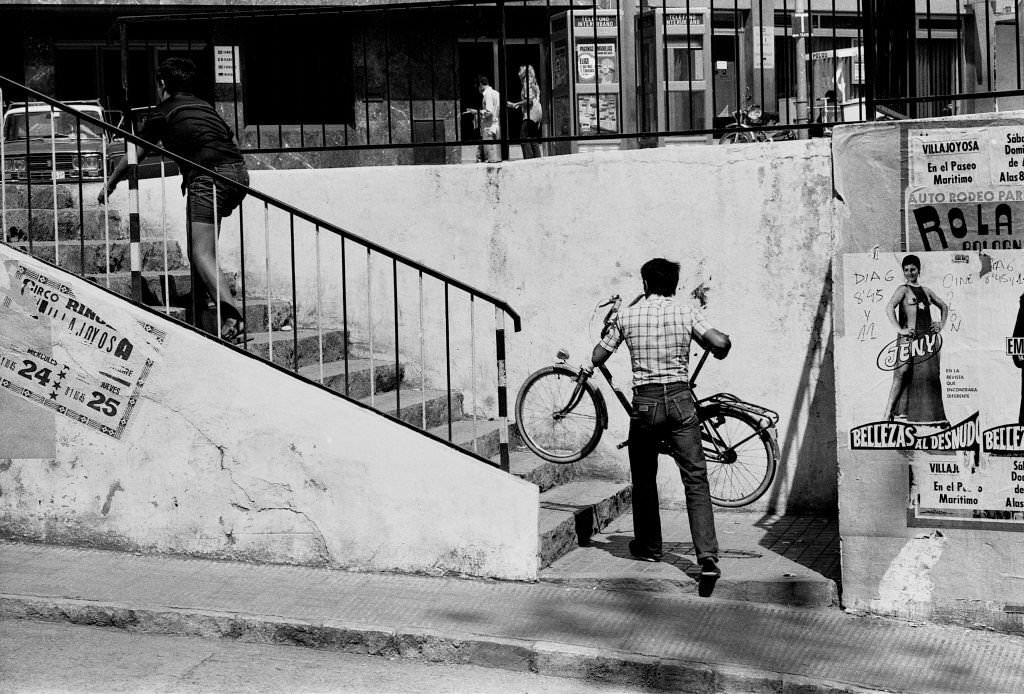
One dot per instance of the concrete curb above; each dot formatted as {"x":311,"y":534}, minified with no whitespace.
{"x":545,"y":658}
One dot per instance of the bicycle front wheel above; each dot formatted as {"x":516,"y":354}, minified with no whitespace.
{"x":548,"y":425}
{"x":741,"y":456}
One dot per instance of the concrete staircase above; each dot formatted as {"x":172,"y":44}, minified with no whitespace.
{"x":573,"y":504}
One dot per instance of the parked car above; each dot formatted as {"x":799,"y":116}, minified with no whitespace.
{"x":45,"y":144}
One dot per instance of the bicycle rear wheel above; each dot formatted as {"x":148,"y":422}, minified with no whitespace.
{"x":548,"y":430}
{"x":741,"y":456}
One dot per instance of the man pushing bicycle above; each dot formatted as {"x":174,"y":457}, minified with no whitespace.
{"x":657,"y":330}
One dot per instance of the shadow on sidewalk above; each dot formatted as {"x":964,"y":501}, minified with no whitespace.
{"x":811,"y":541}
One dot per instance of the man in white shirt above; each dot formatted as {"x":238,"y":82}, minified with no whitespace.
{"x":488,"y":120}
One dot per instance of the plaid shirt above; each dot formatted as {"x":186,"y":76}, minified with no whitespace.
{"x":657,"y":331}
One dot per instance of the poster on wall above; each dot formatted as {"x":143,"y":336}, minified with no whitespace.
{"x":964,"y":187}
{"x":596,"y":63}
{"x":932,"y":357}
{"x":586,"y":63}
{"x":597,"y":113}
{"x":90,"y":365}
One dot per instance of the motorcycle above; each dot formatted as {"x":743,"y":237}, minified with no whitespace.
{"x":748,"y":124}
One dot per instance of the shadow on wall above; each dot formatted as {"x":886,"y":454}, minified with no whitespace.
{"x":816,"y":492}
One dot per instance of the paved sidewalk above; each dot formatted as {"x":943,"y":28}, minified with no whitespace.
{"x":665,"y":640}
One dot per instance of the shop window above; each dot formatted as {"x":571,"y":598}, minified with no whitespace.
{"x":686,"y":62}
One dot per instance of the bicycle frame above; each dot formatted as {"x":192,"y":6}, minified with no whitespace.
{"x":766,"y":419}
{"x":561,"y":418}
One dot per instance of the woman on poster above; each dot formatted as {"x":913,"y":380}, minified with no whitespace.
{"x":916,"y":392}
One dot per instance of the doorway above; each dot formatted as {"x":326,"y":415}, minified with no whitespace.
{"x":476,"y":57}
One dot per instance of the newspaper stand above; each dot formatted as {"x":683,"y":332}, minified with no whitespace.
{"x":585,"y":79}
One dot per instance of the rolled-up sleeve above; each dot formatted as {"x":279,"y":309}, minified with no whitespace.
{"x":613,"y":338}
{"x":700,"y":322}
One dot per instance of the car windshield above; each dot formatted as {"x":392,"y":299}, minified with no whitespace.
{"x":43,"y":124}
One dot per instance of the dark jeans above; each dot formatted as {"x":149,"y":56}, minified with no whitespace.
{"x":666,"y":412}
{"x":528,"y":133}
{"x":201,"y":192}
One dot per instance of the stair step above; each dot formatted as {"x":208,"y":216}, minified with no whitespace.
{"x":481,"y":436}
{"x":181,"y":287}
{"x":16,"y":195}
{"x":96,"y":255}
{"x":525,"y":464}
{"x":70,"y":224}
{"x":334,"y":345}
{"x":387,"y":376}
{"x":413,"y":403}
{"x":571,"y":513}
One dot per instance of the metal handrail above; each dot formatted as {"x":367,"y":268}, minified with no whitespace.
{"x":501,"y":308}
{"x":274,"y":202}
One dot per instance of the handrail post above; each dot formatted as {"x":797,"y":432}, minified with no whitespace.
{"x":499,"y":345}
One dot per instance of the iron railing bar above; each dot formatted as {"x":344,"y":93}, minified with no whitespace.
{"x":163,"y":234}
{"x":216,"y":260}
{"x":344,"y":308}
{"x":448,"y":358}
{"x":787,"y":20}
{"x":664,"y":61}
{"x":1018,"y":19}
{"x":319,"y":314}
{"x":499,"y":352}
{"x":861,"y":114}
{"x":736,"y":29}
{"x":81,"y":197}
{"x":691,"y":63}
{"x":387,"y":79}
{"x":988,"y":44}
{"x":433,"y":75}
{"x":295,"y":303}
{"x":241,"y":272}
{"x":134,"y":221}
{"x":398,"y":383}
{"x":423,"y":361}
{"x":369,"y":325}
{"x":266,"y":247}
{"x":835,"y":68}
{"x":28,"y":175}
{"x":366,"y":84}
{"x":472,"y":370}
{"x":53,"y":187}
{"x":106,"y":215}
{"x":289,"y":209}
{"x":3,"y":167}
{"x":758,"y":39}
{"x":234,"y":90}
{"x":960,"y":96}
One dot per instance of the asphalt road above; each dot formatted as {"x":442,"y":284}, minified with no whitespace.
{"x":41,"y":657}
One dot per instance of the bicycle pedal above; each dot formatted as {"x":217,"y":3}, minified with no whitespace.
{"x":622,"y":445}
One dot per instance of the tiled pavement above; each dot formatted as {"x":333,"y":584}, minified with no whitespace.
{"x":788,"y":560}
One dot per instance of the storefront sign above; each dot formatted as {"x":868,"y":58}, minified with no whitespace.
{"x":584,"y":21}
{"x":683,"y":19}
{"x":965,"y":188}
{"x":93,"y":362}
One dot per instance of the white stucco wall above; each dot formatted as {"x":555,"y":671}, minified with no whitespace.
{"x":970,"y":576}
{"x":555,"y":236}
{"x":224,"y":456}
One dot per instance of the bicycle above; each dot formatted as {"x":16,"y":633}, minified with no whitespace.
{"x":561,"y":415}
